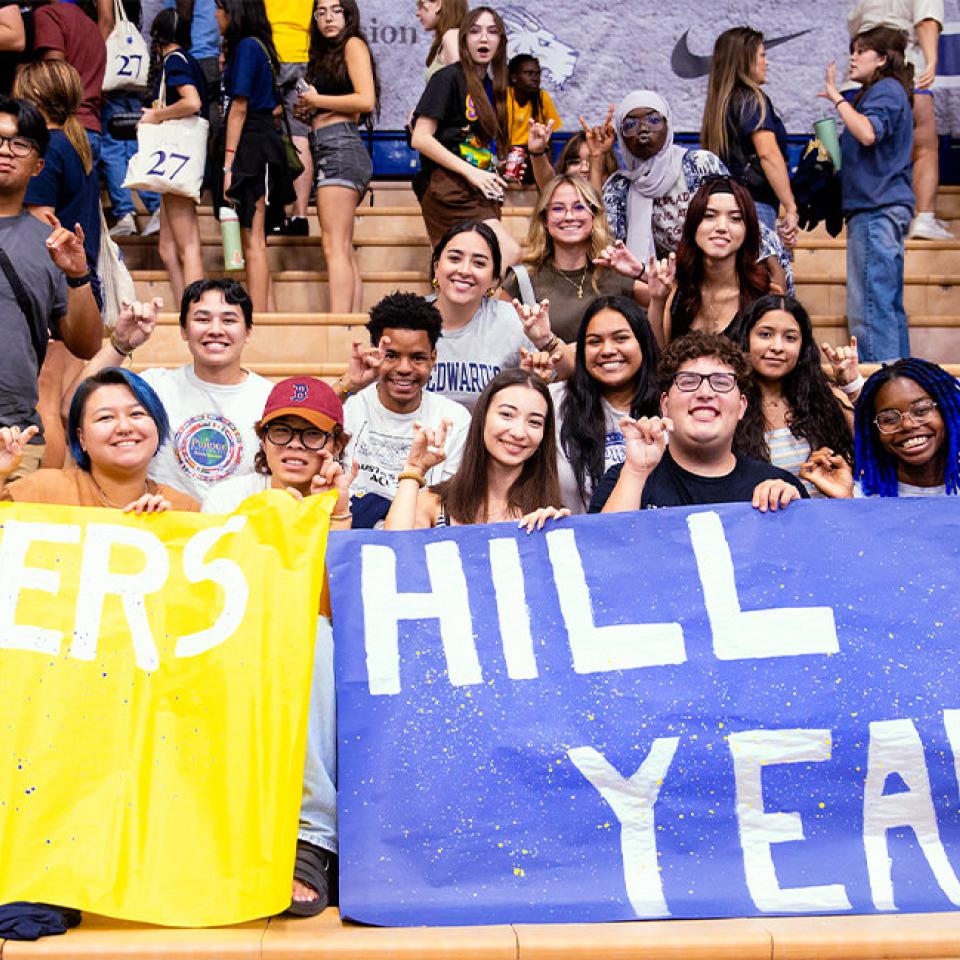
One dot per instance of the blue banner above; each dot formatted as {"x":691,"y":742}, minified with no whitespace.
{"x":674,"y":713}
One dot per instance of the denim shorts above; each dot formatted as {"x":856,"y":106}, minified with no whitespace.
{"x":339,"y":157}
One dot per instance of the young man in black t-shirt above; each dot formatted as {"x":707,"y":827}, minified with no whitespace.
{"x":703,"y":379}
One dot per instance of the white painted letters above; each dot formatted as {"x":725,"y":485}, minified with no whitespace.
{"x":895,"y":748}
{"x":752,"y":750}
{"x":227,"y":573}
{"x":15,"y":576}
{"x":97,"y":582}
{"x":384,"y":606}
{"x":512,"y":609}
{"x":633,"y":801}
{"x":739,"y":635}
{"x":617,"y":647}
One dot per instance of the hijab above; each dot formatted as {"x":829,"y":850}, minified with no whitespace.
{"x":649,"y":179}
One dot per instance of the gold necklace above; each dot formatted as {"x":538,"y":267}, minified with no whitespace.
{"x":107,"y":502}
{"x":576,"y":286}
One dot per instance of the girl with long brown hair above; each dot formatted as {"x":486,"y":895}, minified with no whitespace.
{"x":509,"y":466}
{"x":460,"y":130}
{"x":742,"y":128}
{"x":716,"y":269}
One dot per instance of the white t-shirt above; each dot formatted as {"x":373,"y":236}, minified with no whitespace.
{"x":903,"y":15}
{"x":211,"y":428}
{"x":380,"y":439}
{"x":469,"y":358}
{"x":907,"y":490}
{"x":227,"y":495}
{"x":615,"y":450}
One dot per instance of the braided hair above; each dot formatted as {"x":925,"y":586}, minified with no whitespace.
{"x":875,"y":467}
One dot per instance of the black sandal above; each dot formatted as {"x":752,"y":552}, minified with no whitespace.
{"x":314,"y":868}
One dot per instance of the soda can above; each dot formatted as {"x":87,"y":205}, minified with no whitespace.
{"x":513,"y":168}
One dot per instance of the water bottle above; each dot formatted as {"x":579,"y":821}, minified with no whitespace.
{"x":230,"y":234}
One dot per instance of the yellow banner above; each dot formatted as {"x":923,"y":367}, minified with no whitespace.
{"x":154,"y":682}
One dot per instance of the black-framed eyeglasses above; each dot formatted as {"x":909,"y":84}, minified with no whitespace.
{"x":920,"y":411}
{"x":689,"y":382}
{"x":19,"y":146}
{"x":652,"y":121}
{"x":281,"y":434}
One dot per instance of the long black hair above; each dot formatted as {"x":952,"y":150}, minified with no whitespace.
{"x":248,"y":18}
{"x":583,"y":431}
{"x":876,"y":469}
{"x":814,"y":413}
{"x":327,"y":58}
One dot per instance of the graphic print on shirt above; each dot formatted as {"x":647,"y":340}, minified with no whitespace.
{"x":460,"y":376}
{"x":615,"y":449}
{"x":208,"y":447}
{"x":382,"y":456}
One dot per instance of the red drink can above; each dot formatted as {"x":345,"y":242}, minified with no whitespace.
{"x":513,"y":168}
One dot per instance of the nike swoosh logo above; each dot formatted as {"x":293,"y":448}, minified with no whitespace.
{"x":689,"y":65}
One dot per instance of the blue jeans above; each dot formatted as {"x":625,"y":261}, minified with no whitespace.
{"x":318,"y":805}
{"x":875,"y":314}
{"x":116,"y":154}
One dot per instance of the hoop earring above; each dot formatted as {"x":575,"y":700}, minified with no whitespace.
{"x":492,"y":290}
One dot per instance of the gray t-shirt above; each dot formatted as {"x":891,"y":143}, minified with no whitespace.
{"x":469,"y":358}
{"x":23,"y":239}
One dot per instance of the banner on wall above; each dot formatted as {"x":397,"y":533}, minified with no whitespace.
{"x":154,"y":681}
{"x":675,"y":713}
{"x":593,"y":52}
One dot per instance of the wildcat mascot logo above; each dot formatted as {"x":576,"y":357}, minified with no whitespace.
{"x":528,"y":34}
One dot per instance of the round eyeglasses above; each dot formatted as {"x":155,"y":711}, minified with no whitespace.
{"x":281,"y":434}
{"x":652,"y":121}
{"x":689,"y":382}
{"x":920,"y":411}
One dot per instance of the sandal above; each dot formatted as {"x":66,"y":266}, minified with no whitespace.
{"x":313,"y":868}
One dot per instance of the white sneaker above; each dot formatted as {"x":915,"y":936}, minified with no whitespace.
{"x":126,"y":226}
{"x":927,"y":227}
{"x":153,"y":225}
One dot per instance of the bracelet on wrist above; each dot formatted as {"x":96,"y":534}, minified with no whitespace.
{"x":342,"y":387}
{"x":537,"y":153}
{"x":119,"y":347}
{"x":837,"y":104}
{"x":642,"y":273}
{"x":412,"y":475}
{"x":228,"y":169}
{"x":854,"y":386}
{"x":74,"y":282}
{"x":550,"y":345}
{"x":345,"y":515}
{"x":229,"y":150}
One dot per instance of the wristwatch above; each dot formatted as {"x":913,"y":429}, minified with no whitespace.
{"x":75,"y":282}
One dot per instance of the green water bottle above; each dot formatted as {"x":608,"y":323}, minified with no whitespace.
{"x":230,"y":233}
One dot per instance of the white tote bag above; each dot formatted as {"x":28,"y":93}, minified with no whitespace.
{"x":128,"y":57}
{"x":170,"y":156}
{"x":118,"y":285}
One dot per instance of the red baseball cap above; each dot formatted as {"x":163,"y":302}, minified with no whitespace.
{"x":305,"y":397}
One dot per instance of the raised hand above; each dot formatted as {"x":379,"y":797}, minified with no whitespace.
{"x":536,"y":322}
{"x":601,"y":138}
{"x":538,"y":518}
{"x":830,"y":91}
{"x":12,"y":442}
{"x":829,"y":473}
{"x":364,"y":365}
{"x":538,"y":136}
{"x":646,"y":440}
{"x":540,"y":363}
{"x":428,"y":447}
{"x":845,"y":361}
{"x":66,"y":248}
{"x":617,"y":256}
{"x":332,"y":476}
{"x":136,"y":322}
{"x":660,"y":276}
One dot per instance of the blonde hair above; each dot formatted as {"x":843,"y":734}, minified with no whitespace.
{"x":539,"y":241}
{"x":54,"y":87}
{"x":731,"y":70}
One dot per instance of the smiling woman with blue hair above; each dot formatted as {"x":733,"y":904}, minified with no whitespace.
{"x":115,"y":427}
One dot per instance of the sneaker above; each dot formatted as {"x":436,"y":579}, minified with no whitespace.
{"x":126,"y":226}
{"x":297,"y":227}
{"x":926,"y":227}
{"x":153,"y":225}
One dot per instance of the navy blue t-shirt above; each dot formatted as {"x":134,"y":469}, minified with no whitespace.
{"x":743,"y":121}
{"x":880,"y":175}
{"x":249,"y":74}
{"x":73,"y":194}
{"x":181,"y":70}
